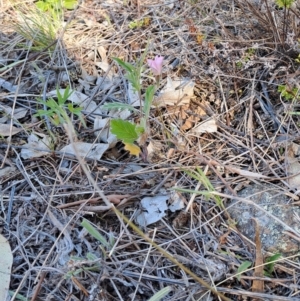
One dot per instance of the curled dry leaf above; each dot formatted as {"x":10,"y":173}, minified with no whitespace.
{"x":88,"y":150}
{"x":176,"y":92}
{"x":258,"y":284}
{"x":7,"y":111}
{"x":7,"y":129}
{"x":38,"y":145}
{"x":104,"y":65}
{"x":208,"y":126}
{"x":245,"y":173}
{"x":177,"y":201}
{"x":153,"y":209}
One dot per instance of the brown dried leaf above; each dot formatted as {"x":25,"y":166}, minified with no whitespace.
{"x":258,"y":285}
{"x":246,"y":173}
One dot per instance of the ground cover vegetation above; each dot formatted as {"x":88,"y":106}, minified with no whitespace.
{"x":128,"y":129}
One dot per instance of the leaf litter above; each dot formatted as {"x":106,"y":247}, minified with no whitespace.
{"x":211,"y":111}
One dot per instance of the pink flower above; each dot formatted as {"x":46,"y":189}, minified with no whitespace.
{"x":156,"y":64}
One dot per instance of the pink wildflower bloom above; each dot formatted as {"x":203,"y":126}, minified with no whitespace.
{"x":156,"y":64}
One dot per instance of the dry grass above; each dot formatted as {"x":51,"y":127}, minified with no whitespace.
{"x":237,"y":52}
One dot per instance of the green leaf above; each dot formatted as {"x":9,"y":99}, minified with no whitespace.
{"x":139,"y":130}
{"x":94,"y":232}
{"x":128,"y":67}
{"x":43,"y":6}
{"x":284,"y":3}
{"x":136,"y":24}
{"x":270,"y":263}
{"x":148,"y":100}
{"x":74,"y":110}
{"x":160,"y":294}
{"x":91,"y":256}
{"x":124,"y":130}
{"x":62,"y":98}
{"x":70,"y":4}
{"x":243,"y":267}
{"x":118,"y":105}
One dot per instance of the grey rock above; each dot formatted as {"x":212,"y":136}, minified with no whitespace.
{"x":272,"y":233}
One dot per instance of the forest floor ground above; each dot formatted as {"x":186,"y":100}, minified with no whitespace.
{"x":229,"y":121}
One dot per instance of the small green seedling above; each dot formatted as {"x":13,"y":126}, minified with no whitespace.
{"x":79,"y":265}
{"x":200,"y":176}
{"x":161,"y":294}
{"x":242,"y":268}
{"x":96,"y":234}
{"x":289,"y":93}
{"x":57,"y":111}
{"x":136,"y":24}
{"x":270,"y":263}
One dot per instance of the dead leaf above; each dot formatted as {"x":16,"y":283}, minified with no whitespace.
{"x":153,"y":209}
{"x":132,"y":148}
{"x":5,"y":130}
{"x":88,"y":150}
{"x":38,"y":145}
{"x":208,"y":126}
{"x":258,"y":285}
{"x":176,"y":92}
{"x":245,"y":173}
{"x":177,"y":201}
{"x":102,"y":52}
{"x":6,"y":171}
{"x":7,"y":111}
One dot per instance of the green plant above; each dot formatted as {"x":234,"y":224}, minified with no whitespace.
{"x":42,"y":22}
{"x":284,"y":3}
{"x":79,"y":265}
{"x":96,"y":234}
{"x":270,"y":263}
{"x":57,"y":111}
{"x":242,"y":268}
{"x":289,"y":93}
{"x":56,"y":5}
{"x":126,"y":131}
{"x":161,"y":294}
{"x":139,"y":23}
{"x":200,"y":176}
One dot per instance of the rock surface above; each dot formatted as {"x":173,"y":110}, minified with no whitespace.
{"x":271,"y":200}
